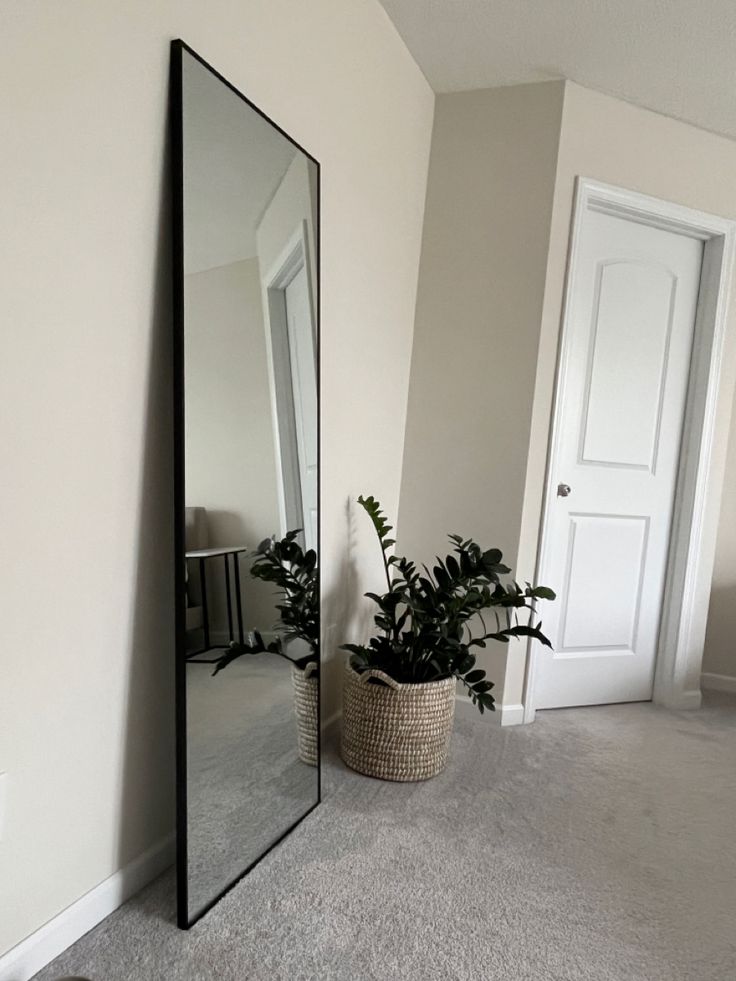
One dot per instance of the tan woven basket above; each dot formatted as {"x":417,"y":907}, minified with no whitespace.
{"x":306,"y":707}
{"x":394,"y":731}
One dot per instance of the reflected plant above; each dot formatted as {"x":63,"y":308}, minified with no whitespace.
{"x":295,"y":573}
{"x":424,"y":618}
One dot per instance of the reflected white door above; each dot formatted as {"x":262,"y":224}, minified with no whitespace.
{"x":304,"y":388}
{"x":629,"y":332}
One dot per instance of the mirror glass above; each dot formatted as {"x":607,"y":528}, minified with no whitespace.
{"x":248,"y":421}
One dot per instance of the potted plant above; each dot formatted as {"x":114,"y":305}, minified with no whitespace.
{"x":295,"y":573}
{"x":399,"y":693}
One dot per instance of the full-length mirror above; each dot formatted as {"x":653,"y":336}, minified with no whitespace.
{"x":246,"y":312}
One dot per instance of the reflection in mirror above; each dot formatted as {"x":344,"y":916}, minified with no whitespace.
{"x":248,"y":650}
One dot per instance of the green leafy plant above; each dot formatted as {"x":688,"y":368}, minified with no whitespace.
{"x":425,"y":619}
{"x":295,"y":573}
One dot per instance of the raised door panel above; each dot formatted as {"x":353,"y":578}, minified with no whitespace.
{"x":603,"y":583}
{"x":629,"y":344}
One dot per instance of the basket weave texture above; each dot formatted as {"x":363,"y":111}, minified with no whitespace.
{"x":394,"y":731}
{"x":306,"y":705}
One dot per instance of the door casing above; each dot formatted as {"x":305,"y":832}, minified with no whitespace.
{"x":692,"y":538}
{"x":294,"y":256}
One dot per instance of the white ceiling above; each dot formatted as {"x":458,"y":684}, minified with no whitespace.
{"x":233,"y":162}
{"x":677,"y":57}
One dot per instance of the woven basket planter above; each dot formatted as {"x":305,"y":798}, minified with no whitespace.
{"x":394,"y":731}
{"x":306,"y":707}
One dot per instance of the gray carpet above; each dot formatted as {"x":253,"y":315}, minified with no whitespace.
{"x":596,"y":845}
{"x":245,"y":782}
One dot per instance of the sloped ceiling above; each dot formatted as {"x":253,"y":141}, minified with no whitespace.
{"x":677,"y":57}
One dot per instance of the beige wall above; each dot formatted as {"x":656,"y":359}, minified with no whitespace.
{"x":612,"y":141}
{"x":86,"y":700}
{"x":479,"y":303}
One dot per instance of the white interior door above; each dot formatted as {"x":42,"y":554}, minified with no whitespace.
{"x":629,"y":329}
{"x":304,"y":389}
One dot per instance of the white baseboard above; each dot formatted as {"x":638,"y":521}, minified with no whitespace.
{"x":464,"y":709}
{"x":505,"y":715}
{"x":512,"y":715}
{"x":28,"y":957}
{"x":718,"y":682}
{"x":684,"y":700}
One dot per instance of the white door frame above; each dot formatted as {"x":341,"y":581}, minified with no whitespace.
{"x":692,"y":543}
{"x":292,"y":258}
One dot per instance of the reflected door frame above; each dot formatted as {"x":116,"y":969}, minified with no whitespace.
{"x":294,"y":257}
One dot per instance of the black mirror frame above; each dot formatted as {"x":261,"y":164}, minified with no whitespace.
{"x":178,"y":47}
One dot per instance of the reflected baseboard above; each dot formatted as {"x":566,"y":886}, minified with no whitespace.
{"x":331,"y":732}
{"x":333,"y":720}
{"x":331,"y":729}
{"x":221,"y":638}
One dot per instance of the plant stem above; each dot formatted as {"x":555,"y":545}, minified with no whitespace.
{"x":386,"y":568}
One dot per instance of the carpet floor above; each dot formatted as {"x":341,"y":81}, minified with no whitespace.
{"x":598,"y":844}
{"x":245,"y":782}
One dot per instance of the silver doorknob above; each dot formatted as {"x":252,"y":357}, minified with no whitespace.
{"x":563,"y":490}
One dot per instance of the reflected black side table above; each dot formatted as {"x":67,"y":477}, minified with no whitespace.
{"x":201,"y":555}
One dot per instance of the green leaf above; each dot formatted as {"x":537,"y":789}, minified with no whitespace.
{"x":424,"y":622}
{"x":521,"y":631}
{"x":542,"y":592}
{"x":492,"y":557}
